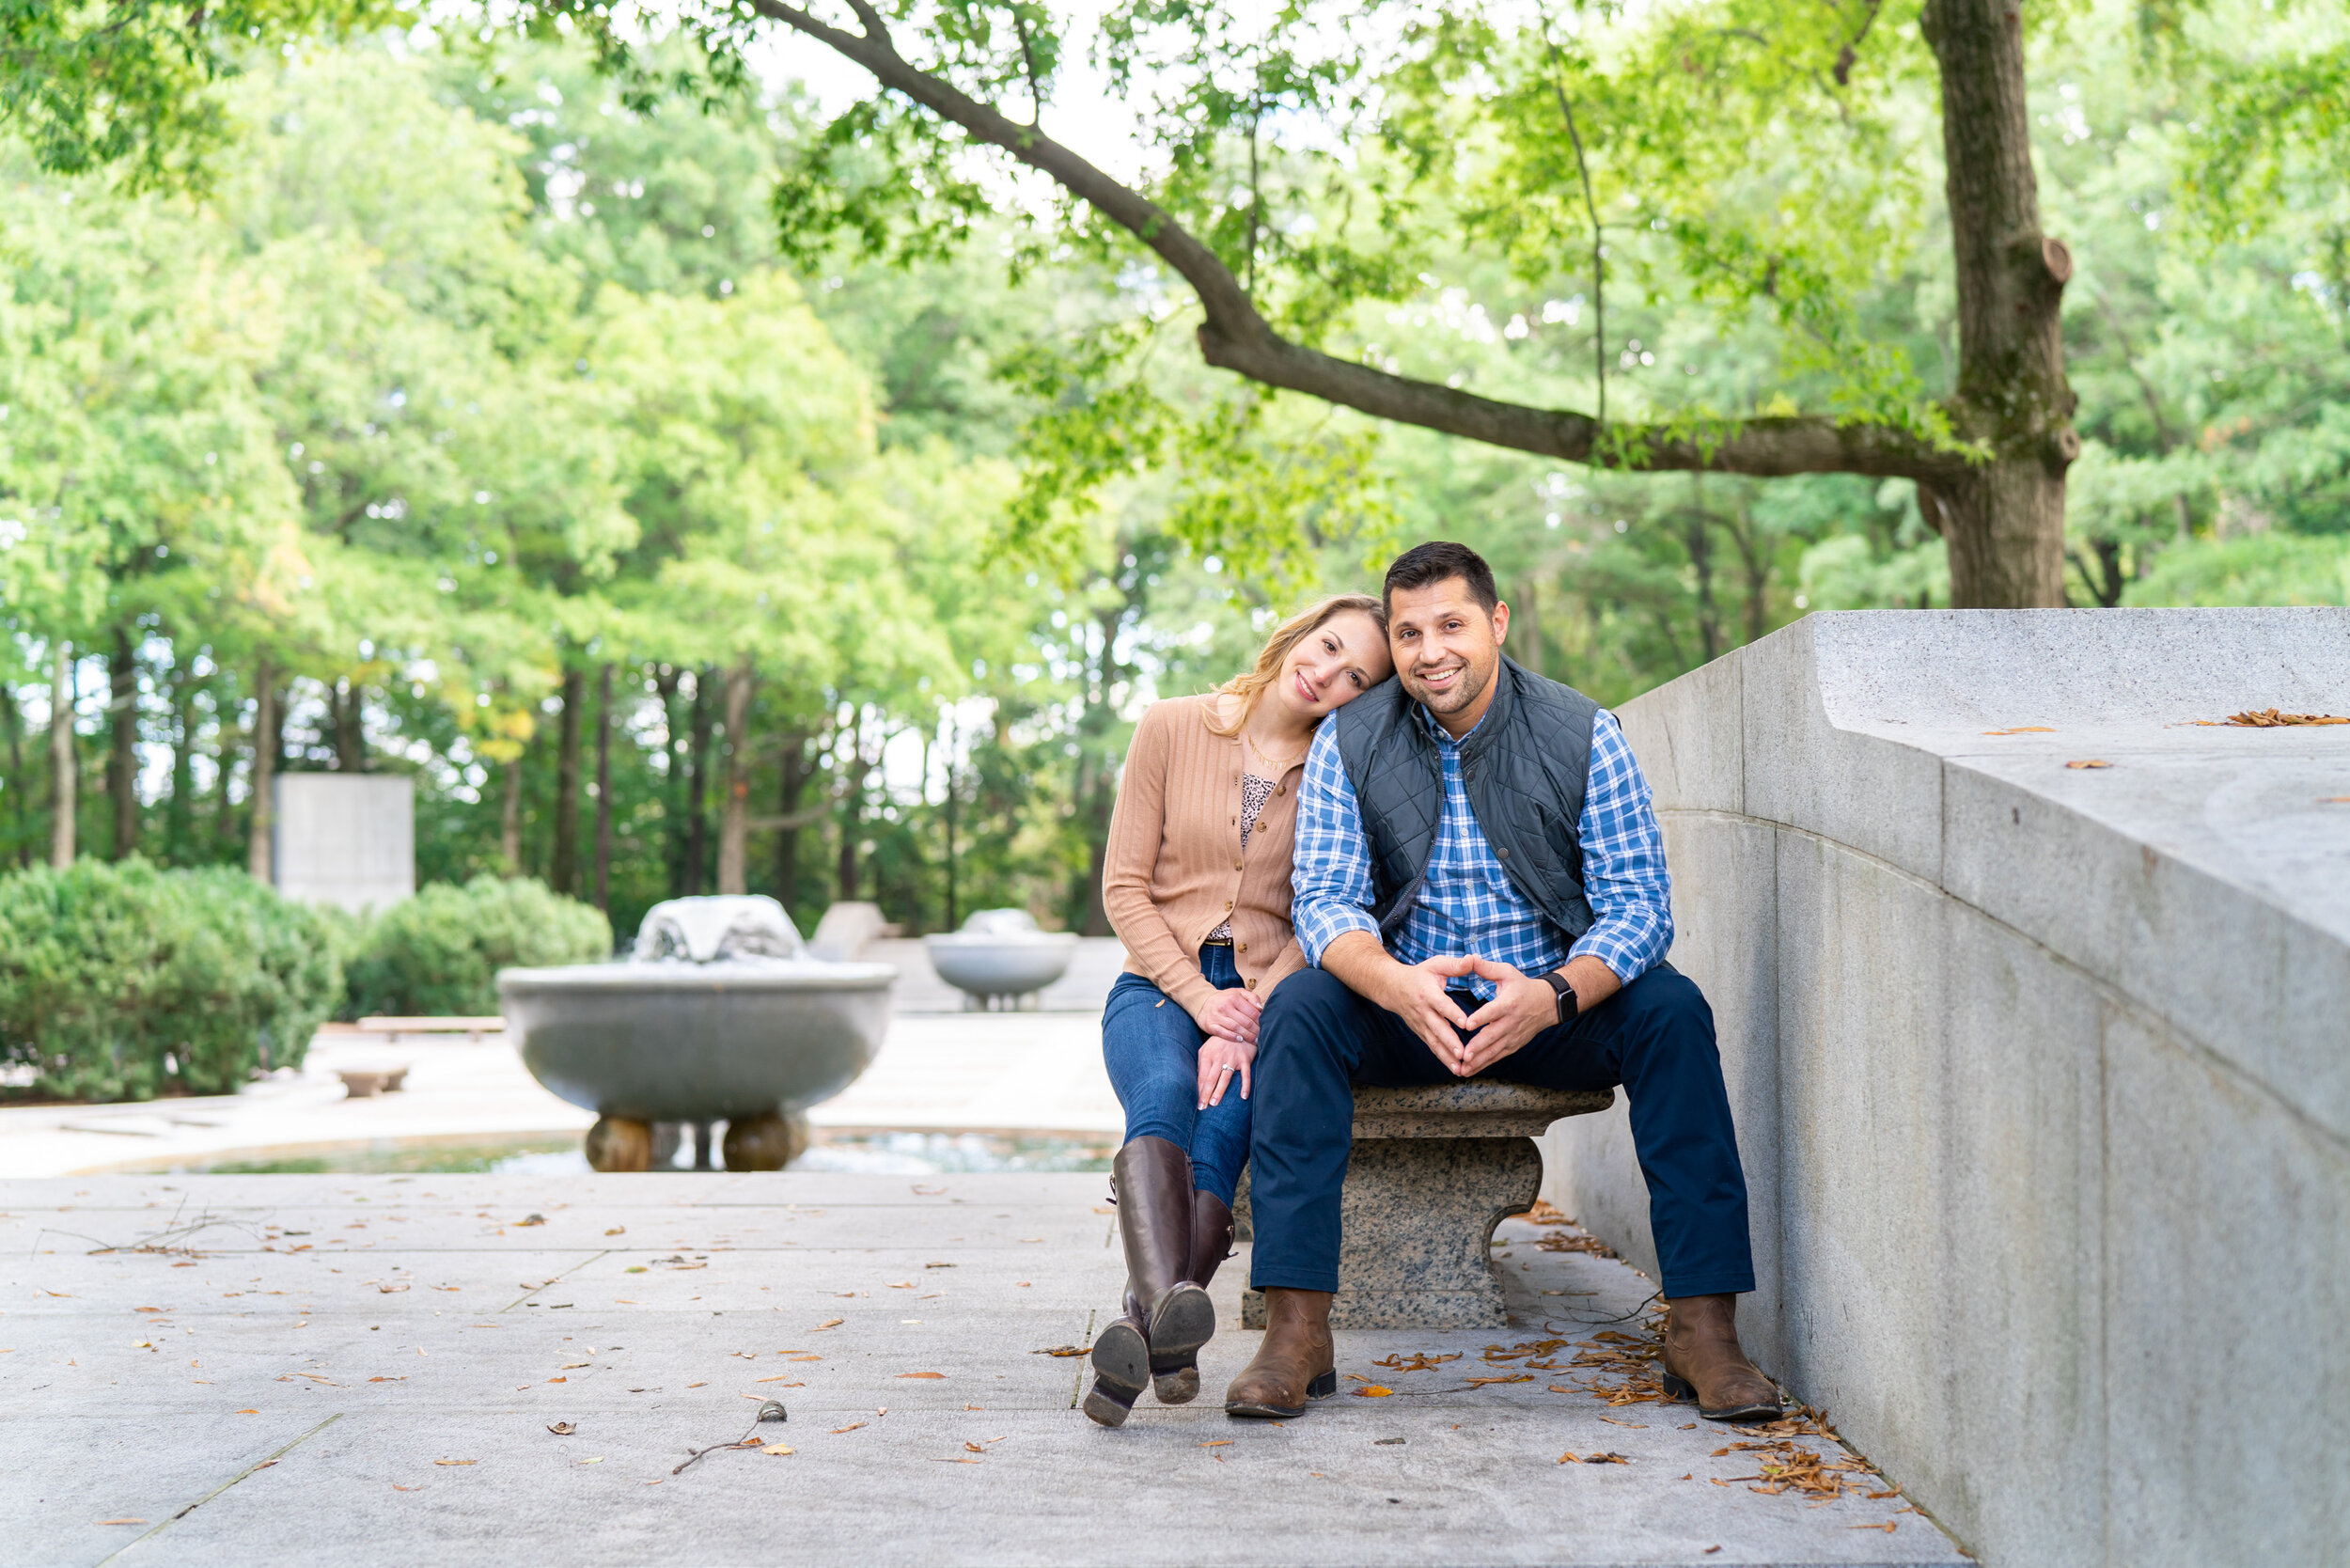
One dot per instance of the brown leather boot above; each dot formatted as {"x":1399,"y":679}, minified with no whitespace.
{"x":1167,"y":1313}
{"x":1122,"y":1367}
{"x":1175,"y":1376}
{"x":1703,"y":1362}
{"x":1295,"y":1363}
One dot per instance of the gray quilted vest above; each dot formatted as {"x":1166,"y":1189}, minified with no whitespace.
{"x":1525,"y":767}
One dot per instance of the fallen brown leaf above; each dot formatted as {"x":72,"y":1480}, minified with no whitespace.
{"x":2269,"y":718}
{"x":1373,"y":1391}
{"x":563,"y":1429}
{"x":2090,"y":762}
{"x":1480,"y":1382}
{"x":1420,"y":1361}
{"x":2024,"y":730}
{"x":776,"y":1448}
{"x":921,"y":1375}
{"x":121,"y":1521}
{"x":851,"y":1427}
{"x":1887,"y":1527}
{"x":1064,"y":1350}
{"x":830,"y":1323}
{"x":457,"y":1462}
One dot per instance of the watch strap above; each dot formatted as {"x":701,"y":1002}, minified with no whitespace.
{"x":1570,"y":1005}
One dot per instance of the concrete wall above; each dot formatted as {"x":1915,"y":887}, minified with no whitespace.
{"x":2041,"y":1075}
{"x":344,"y":838}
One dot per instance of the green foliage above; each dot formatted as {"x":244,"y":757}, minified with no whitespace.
{"x":438,"y":953}
{"x":123,"y":981}
{"x":129,"y":82}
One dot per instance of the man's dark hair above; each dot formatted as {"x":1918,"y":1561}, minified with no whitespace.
{"x":1436,"y":560}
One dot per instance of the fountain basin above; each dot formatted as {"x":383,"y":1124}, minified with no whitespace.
{"x":697,"y":1043}
{"x":999,"y":956}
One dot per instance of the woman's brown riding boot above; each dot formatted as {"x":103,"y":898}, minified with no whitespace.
{"x":1167,"y":1313}
{"x":1295,"y":1363}
{"x":1175,"y":1378}
{"x":1703,"y":1362}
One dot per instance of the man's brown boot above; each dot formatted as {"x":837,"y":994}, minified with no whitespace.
{"x":1703,"y":1362}
{"x":1295,"y":1363}
{"x":1175,"y":1375}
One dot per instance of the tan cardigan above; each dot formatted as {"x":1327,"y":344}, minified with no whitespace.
{"x":1174,"y":869}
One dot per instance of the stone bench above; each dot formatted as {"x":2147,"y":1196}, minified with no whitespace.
{"x":1433,"y":1171}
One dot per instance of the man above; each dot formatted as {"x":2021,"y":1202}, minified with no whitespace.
{"x":1481,"y":886}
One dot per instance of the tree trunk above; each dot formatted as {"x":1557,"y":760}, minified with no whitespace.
{"x":796,"y":773}
{"x":180,"y":815}
{"x":603,"y":787}
{"x":61,"y":758}
{"x":19,"y":786}
{"x":261,"y":822}
{"x":734,"y":812}
{"x":954,"y":747}
{"x":697,"y":788}
{"x":672,"y":782}
{"x":1700,"y":546}
{"x":350,"y":710}
{"x":563,"y":876}
{"x":2003,"y":519}
{"x":852,"y":808}
{"x":510,"y":815}
{"x":122,"y":751}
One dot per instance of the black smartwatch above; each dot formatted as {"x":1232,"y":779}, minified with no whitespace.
{"x":1569,"y":1007}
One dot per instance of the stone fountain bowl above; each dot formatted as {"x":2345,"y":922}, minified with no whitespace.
{"x":1000,"y":952}
{"x":1001,"y":966}
{"x":681,"y":1041}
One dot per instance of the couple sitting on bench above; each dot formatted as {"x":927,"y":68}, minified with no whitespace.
{"x":1478,"y":891}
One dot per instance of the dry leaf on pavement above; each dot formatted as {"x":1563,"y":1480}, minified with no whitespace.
{"x":1373,"y":1391}
{"x":563,"y":1429}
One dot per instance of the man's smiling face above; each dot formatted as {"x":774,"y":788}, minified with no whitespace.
{"x":1448,"y":649}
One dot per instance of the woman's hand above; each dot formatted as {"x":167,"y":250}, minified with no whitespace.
{"x":1232,"y":1016}
{"x":1220,"y":1062}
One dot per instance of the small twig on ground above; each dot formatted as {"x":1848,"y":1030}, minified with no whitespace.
{"x":771,"y":1410}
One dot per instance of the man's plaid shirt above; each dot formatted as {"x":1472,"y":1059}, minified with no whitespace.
{"x":1467,"y":903}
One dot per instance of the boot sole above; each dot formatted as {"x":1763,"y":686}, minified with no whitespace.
{"x":1321,"y":1387}
{"x":1682,"y":1388}
{"x":1122,"y":1370}
{"x":1186,"y":1320}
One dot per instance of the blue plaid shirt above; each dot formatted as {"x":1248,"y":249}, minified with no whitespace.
{"x":1467,"y":903}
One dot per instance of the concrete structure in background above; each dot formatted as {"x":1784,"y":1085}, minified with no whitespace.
{"x":2042,"y":1070}
{"x":344,"y":838}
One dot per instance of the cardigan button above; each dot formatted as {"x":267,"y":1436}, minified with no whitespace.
{"x":1238,"y":867}
{"x":1252,"y":985}
{"x":1243,"y":947}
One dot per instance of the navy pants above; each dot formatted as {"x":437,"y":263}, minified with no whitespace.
{"x":1655,"y":1038}
{"x":1152,"y":1048}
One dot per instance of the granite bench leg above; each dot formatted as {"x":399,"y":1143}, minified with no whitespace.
{"x":1419,"y":1218}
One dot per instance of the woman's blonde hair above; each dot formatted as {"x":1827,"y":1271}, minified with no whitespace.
{"x":1250,"y":685}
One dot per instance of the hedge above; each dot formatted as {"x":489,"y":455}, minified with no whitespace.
{"x":122,"y":981}
{"x":438,"y":953}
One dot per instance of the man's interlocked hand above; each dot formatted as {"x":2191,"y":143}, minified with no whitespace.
{"x":1416,"y":992}
{"x":1522,"y":1007}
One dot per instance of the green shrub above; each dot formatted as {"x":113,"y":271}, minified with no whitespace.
{"x":122,"y":981}
{"x":438,"y":953}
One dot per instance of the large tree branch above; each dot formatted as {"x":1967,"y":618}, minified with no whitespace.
{"x":1233,"y":336}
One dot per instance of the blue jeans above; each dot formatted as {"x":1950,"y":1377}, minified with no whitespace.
{"x":1152,"y":1048}
{"x":1655,"y":1038}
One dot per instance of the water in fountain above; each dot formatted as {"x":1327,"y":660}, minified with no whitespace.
{"x":707,"y":930}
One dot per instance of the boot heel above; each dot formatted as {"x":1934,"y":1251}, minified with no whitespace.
{"x":1676,"y":1388}
{"x":1324,"y":1386}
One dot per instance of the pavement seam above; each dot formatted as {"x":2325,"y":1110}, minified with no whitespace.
{"x":250,"y":1469}
{"x":558,"y":1279}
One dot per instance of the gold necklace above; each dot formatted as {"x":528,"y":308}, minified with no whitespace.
{"x":1278,"y":765}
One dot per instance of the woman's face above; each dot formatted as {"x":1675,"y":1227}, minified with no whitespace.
{"x":1333,"y":665}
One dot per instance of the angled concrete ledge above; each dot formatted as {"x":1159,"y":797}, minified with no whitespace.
{"x":2042,"y":1073}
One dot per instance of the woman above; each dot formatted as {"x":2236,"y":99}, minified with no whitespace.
{"x":1197,"y":882}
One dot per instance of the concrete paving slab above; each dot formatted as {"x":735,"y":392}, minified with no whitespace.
{"x":412,"y":1425}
